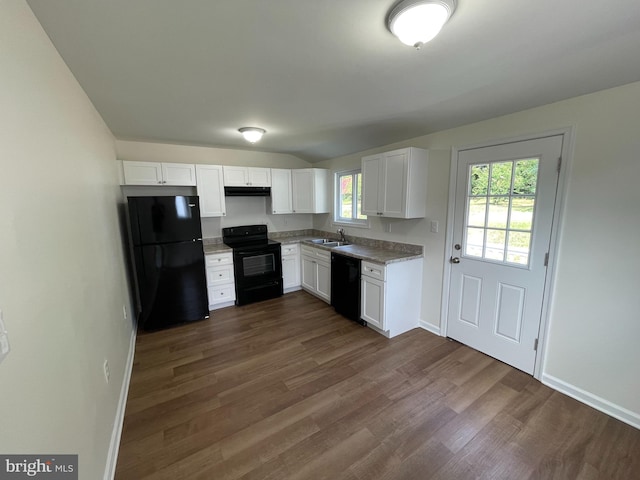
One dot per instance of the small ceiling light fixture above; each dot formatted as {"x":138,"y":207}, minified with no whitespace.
{"x":252,"y":134}
{"x":415,"y":22}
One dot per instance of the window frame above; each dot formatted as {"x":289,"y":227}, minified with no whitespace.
{"x":337,"y":219}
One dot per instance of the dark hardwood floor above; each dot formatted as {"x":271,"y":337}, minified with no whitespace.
{"x":287,"y":389}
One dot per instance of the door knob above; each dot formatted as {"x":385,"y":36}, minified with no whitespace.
{"x":454,"y":260}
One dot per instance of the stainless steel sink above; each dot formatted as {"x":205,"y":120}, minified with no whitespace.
{"x":326,"y":242}
{"x":321,"y":241}
{"x":336,"y":244}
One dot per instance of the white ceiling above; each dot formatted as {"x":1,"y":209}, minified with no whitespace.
{"x":324,"y":77}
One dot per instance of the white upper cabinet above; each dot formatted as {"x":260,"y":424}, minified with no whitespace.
{"x":178,"y":174}
{"x":210,"y":187}
{"x":155,"y":173}
{"x":310,"y":193}
{"x":246,"y":176}
{"x":281,"y":191}
{"x":394,"y":184}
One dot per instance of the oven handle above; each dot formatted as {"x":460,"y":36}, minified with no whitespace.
{"x":253,"y":253}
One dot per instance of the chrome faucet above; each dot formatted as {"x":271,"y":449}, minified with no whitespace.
{"x":341,"y":233}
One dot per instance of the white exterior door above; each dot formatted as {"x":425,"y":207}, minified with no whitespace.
{"x":504,"y":206}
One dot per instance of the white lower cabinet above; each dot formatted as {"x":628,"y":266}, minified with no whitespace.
{"x":391,"y":296}
{"x":372,"y":297}
{"x":290,"y":267}
{"x":221,"y":286}
{"x":316,"y":272}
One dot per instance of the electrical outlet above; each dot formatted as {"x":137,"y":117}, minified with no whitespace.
{"x":434,"y":227}
{"x":107,"y":371}
{"x":124,"y":312}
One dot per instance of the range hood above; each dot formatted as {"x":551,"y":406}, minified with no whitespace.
{"x":247,"y":191}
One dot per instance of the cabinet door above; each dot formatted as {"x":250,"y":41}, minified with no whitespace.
{"x":309,"y":272}
{"x":323,"y":281}
{"x":142,"y":173}
{"x":394,"y":193}
{"x":372,"y":185}
{"x":303,"y":192}
{"x":210,"y":187}
{"x":290,"y":271}
{"x":182,"y":174}
{"x":259,"y":177}
{"x":372,"y":293}
{"x":235,"y":176}
{"x":281,"y":191}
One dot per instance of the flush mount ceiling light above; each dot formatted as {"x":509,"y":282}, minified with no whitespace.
{"x":415,"y":22}
{"x":252,"y":134}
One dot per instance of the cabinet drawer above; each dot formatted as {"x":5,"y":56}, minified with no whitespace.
{"x":373,"y":270}
{"x":220,"y":275}
{"x":221,"y":294}
{"x":292,"y":249}
{"x":316,"y":253}
{"x":216,"y":259}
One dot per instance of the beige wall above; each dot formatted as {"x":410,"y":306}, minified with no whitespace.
{"x":165,"y":152}
{"x":595,"y":315}
{"x":62,"y":275}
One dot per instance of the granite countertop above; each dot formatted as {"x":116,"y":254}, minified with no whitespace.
{"x":373,"y":254}
{"x":368,"y":253}
{"x":376,"y":251}
{"x":216,"y":248}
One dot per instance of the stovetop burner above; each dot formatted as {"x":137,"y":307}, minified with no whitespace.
{"x":246,"y":235}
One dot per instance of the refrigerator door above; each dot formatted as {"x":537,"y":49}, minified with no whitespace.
{"x":164,"y":219}
{"x":172,"y":284}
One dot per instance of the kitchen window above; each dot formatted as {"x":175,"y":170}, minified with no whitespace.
{"x":348,"y":205}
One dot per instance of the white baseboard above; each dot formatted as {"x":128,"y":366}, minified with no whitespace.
{"x":114,"y":446}
{"x":605,"y":406}
{"x":430,"y":328}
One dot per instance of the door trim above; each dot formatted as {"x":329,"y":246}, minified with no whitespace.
{"x":558,"y":214}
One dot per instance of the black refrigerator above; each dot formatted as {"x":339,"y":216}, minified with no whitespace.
{"x":169,"y":260}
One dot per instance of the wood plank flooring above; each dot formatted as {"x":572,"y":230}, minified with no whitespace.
{"x":288,"y":389}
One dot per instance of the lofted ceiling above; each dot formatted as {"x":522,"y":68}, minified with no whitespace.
{"x":325,"y":78}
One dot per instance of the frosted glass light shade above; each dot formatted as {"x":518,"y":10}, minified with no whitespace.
{"x":252,"y":134}
{"x":416,"y":22}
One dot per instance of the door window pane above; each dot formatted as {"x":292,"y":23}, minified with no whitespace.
{"x":518,"y":248}
{"x":501,"y":178}
{"x":477,"y":211}
{"x":474,"y":244}
{"x":495,"y":244}
{"x":521,"y":217}
{"x":478,"y":180}
{"x":500,"y":210}
{"x":526,"y":177}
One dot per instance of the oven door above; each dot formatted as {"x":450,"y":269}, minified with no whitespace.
{"x":258,"y":272}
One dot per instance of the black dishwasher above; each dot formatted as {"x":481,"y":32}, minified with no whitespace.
{"x":345,"y":286}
